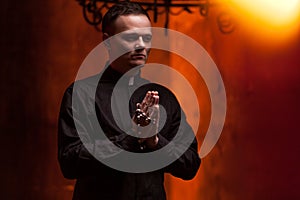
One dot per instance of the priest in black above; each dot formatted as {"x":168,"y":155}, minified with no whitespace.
{"x":134,"y":114}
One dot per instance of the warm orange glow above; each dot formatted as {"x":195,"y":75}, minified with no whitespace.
{"x":272,"y":18}
{"x":274,"y":12}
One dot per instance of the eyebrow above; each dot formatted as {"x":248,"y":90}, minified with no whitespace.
{"x":136,"y":35}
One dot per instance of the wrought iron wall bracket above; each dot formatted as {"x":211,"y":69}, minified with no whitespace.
{"x":93,"y":10}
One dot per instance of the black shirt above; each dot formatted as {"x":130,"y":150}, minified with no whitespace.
{"x":91,"y":107}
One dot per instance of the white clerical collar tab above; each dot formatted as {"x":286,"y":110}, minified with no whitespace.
{"x":131,"y":81}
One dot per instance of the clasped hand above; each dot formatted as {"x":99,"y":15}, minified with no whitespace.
{"x":146,"y":120}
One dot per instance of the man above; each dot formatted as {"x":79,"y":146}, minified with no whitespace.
{"x":79,"y":140}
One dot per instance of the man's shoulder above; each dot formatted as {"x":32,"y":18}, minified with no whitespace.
{"x":83,"y":86}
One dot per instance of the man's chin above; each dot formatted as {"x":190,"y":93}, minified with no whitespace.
{"x":137,"y":63}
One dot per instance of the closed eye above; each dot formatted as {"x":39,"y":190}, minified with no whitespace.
{"x":133,"y":37}
{"x":147,"y":38}
{"x":130,"y":37}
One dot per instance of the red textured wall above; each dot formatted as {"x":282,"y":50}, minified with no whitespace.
{"x":256,"y":155}
{"x":42,"y":46}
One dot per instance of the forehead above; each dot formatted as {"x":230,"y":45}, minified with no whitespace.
{"x":131,"y":24}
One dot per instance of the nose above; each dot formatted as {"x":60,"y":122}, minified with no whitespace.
{"x":140,"y":44}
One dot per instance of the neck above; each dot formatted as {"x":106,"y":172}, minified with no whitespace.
{"x":125,"y":70}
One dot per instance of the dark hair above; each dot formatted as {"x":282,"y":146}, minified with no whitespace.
{"x":119,"y":9}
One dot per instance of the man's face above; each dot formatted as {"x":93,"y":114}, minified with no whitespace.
{"x":134,"y":39}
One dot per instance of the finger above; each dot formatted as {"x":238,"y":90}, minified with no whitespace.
{"x":146,"y":100}
{"x":153,"y":98}
{"x":156,"y":99}
{"x":150,"y":100}
{"x":154,"y":93}
{"x":154,"y":113}
{"x":148,"y":96}
{"x":144,"y":105}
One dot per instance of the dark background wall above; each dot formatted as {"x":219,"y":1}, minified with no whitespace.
{"x":42,"y":44}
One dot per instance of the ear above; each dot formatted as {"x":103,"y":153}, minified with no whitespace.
{"x":105,"y":39}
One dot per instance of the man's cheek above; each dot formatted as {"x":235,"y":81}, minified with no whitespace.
{"x":148,"y":51}
{"x":122,"y":47}
{"x":125,"y":47}
{"x":148,"y":45}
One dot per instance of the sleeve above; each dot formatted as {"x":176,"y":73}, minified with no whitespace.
{"x":74,"y":158}
{"x":183,"y":147}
